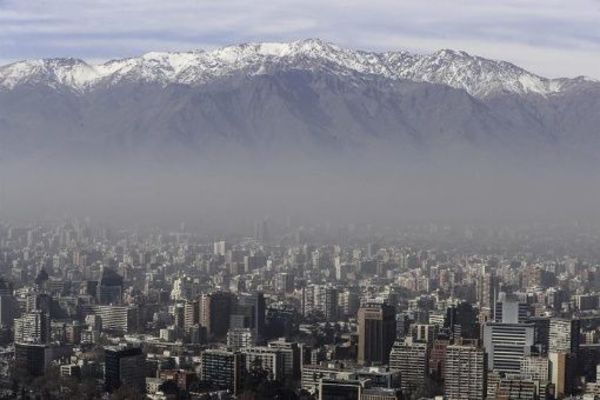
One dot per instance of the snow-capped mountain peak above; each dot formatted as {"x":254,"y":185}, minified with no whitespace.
{"x":479,"y":76}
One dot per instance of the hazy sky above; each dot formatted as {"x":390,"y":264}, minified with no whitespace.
{"x":550,"y":37}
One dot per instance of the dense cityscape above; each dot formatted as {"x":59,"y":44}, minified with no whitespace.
{"x":299,"y":200}
{"x":352,"y":312}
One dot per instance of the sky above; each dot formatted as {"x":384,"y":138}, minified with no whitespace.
{"x":553,"y":38}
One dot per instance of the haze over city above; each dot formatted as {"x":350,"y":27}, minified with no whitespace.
{"x":311,"y":200}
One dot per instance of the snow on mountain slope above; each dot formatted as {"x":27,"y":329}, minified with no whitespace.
{"x":478,"y":76}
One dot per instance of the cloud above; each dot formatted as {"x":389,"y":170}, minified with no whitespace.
{"x":538,"y":34}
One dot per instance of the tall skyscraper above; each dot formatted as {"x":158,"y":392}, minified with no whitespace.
{"x":465,"y":373}
{"x":376,"y":333}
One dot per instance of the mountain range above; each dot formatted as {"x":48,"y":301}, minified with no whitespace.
{"x":306,"y":98}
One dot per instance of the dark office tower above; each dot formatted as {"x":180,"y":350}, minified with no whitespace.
{"x":465,"y":373}
{"x":8,"y":308}
{"x":376,"y":333}
{"x":30,"y":358}
{"x":250,"y":312}
{"x":124,"y":366}
{"x":6,"y":288}
{"x":222,"y":369}
{"x":291,"y":352}
{"x":542,"y":333}
{"x":110,"y":287}
{"x":41,"y":279}
{"x":215,"y":313}
{"x":260,"y":310}
{"x":461,"y":321}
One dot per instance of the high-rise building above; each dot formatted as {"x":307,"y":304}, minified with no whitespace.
{"x":461,"y":321}
{"x":507,"y":345}
{"x":269,"y":358}
{"x":121,"y":319}
{"x":558,"y":372}
{"x":283,"y":282}
{"x":124,"y":366}
{"x":33,"y":327}
{"x":240,"y":337}
{"x":465,"y":373}
{"x":250,"y":312}
{"x":31,"y":358}
{"x":437,"y":358}
{"x":215,"y":313}
{"x":410,"y":358}
{"x":487,"y":289}
{"x":110,"y":287}
{"x":563,"y":350}
{"x":510,"y":310}
{"x":321,"y":299}
{"x":542,"y":332}
{"x":220,"y":248}
{"x":191,"y":314}
{"x":424,"y":333}
{"x":376,"y":333}
{"x":291,"y":352}
{"x":537,"y":369}
{"x":222,"y":368}
{"x":8,"y":309}
{"x":564,"y":335}
{"x":349,"y":302}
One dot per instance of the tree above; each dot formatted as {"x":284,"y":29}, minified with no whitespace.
{"x":126,"y":392}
